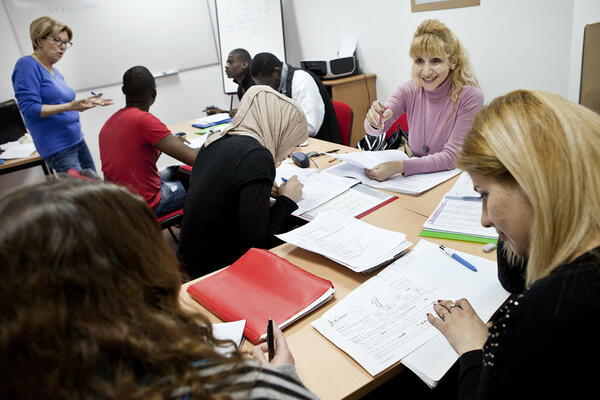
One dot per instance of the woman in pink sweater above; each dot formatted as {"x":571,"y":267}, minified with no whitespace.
{"x":440,"y":101}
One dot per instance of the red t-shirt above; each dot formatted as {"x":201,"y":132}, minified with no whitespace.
{"x":128,"y":151}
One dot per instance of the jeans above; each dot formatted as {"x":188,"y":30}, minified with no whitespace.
{"x":77,"y":157}
{"x":172,"y":193}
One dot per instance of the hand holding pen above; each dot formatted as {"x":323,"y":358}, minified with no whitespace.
{"x":291,"y":188}
{"x":281,"y":354}
{"x":96,"y":99}
{"x":378,"y":114}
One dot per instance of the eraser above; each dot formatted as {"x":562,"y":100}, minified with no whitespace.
{"x":489,"y":247}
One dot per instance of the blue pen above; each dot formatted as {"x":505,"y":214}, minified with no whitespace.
{"x":93,"y":93}
{"x":284,"y":180}
{"x":458,"y":258}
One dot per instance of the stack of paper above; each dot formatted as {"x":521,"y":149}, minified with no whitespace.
{"x":458,"y":215}
{"x":384,"y":320}
{"x":355,"y":163}
{"x":16,"y":150}
{"x":211,"y":120}
{"x":346,"y":240}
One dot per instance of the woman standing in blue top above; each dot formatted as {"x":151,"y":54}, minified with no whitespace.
{"x":48,"y":104}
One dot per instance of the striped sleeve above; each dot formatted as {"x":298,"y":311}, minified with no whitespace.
{"x":254,"y":381}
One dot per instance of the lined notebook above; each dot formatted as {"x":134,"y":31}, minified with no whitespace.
{"x":458,"y":215}
{"x":258,"y":286}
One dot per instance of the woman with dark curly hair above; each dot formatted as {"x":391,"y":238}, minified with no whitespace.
{"x":89,"y":307}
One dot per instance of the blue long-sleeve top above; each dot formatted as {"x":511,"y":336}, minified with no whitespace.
{"x":34,"y":86}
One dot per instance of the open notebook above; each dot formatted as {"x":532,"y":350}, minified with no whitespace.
{"x":383,"y":321}
{"x":323,"y":192}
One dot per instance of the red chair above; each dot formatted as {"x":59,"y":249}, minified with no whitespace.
{"x":172,"y":219}
{"x":345,"y":116}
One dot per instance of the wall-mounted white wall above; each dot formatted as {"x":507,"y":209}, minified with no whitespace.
{"x":533,"y":44}
{"x":511,"y":43}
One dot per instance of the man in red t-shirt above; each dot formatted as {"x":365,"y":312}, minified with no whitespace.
{"x":131,"y":141}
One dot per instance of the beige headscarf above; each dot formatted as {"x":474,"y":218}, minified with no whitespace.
{"x":276,"y":121}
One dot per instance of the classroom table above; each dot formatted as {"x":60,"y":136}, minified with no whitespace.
{"x":18,"y":164}
{"x":324,"y":368}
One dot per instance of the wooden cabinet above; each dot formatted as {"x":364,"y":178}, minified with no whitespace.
{"x":358,"y":92}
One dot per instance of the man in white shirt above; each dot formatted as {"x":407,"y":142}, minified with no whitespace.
{"x":304,"y":88}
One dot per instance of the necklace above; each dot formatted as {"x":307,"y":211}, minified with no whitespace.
{"x":427,"y":140}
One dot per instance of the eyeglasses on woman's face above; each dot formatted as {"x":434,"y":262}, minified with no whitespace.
{"x":59,"y":42}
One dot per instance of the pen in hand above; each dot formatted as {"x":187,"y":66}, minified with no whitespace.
{"x":458,"y":258}
{"x":99,"y":100}
{"x":381,"y":116}
{"x":270,"y":342}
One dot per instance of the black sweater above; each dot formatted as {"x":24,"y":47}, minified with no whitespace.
{"x":227,"y":209}
{"x":544,"y":343}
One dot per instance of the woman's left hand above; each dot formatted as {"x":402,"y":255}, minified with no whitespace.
{"x":384,"y":170}
{"x":459,"y":323}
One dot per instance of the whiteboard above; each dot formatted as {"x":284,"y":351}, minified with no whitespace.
{"x":254,"y":25}
{"x":111,"y":36}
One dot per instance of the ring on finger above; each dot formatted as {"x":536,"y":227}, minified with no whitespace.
{"x":443,"y":315}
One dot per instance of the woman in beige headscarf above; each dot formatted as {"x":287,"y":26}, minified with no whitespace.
{"x":227,"y":210}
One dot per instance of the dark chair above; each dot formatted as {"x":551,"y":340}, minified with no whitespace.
{"x":345,"y":117}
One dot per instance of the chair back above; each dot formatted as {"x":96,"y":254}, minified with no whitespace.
{"x":345,"y":117}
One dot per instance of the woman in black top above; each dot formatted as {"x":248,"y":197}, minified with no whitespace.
{"x":227,"y":210}
{"x":535,"y":159}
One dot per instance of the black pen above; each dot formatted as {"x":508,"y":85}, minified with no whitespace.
{"x":332,"y":151}
{"x":270,"y":339}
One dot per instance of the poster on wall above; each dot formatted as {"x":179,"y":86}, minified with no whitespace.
{"x":429,"y":5}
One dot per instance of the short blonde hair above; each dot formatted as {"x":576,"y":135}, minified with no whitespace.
{"x":434,"y":39}
{"x":47,"y":27}
{"x":550,"y":148}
